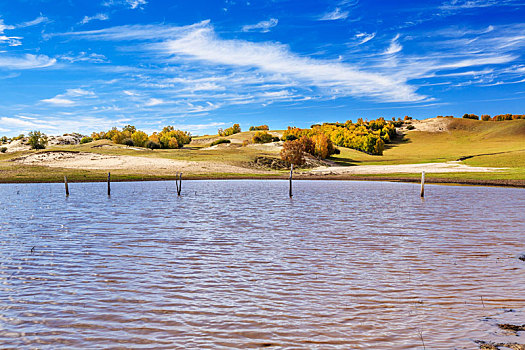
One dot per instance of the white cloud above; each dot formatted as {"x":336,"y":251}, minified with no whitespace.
{"x":58,"y":101}
{"x":334,"y":15}
{"x":69,"y":98}
{"x":11,"y":40}
{"x":26,"y":61}
{"x":130,"y":93}
{"x":202,"y":44}
{"x":394,"y":47}
{"x":84,"y":57}
{"x":263,"y":26}
{"x":36,"y":21}
{"x":154,"y":102}
{"x":469,"y":4}
{"x":364,"y":37}
{"x":98,"y":16}
{"x":4,"y":27}
{"x":132,"y":4}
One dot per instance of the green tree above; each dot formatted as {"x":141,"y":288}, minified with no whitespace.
{"x":37,"y":140}
{"x":139,"y":138}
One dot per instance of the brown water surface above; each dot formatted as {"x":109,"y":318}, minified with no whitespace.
{"x":237,"y":264}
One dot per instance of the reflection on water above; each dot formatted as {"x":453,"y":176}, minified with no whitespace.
{"x":237,"y":264}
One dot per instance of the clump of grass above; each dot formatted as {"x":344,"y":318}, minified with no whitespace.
{"x":219,"y":141}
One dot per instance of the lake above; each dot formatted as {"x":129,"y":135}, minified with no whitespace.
{"x":238,"y":264}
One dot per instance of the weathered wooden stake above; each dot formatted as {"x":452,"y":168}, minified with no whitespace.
{"x":109,"y":184}
{"x":177,"y":183}
{"x":67,"y":188}
{"x":291,"y":174}
{"x":180,"y":185}
{"x":422,"y":184}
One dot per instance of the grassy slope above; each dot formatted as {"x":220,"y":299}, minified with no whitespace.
{"x":466,"y":138}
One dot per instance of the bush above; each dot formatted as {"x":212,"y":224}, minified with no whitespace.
{"x":485,"y":117}
{"x":3,"y":149}
{"x":262,"y":137}
{"x":152,"y":145}
{"x":139,"y":138}
{"x":230,"y":131}
{"x":289,"y":138}
{"x":86,"y":139}
{"x":411,"y":127}
{"x":37,"y":140}
{"x":245,"y":143}
{"x":260,"y":127}
{"x":293,"y":152}
{"x":470,"y":116}
{"x":275,"y":139}
{"x":128,"y":142}
{"x":219,"y":141}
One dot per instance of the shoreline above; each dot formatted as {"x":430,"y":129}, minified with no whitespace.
{"x":298,"y":177}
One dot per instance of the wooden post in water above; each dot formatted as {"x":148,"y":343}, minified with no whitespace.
{"x":177,"y":182}
{"x":423,"y":184}
{"x":109,"y":184}
{"x":291,"y":174}
{"x":67,"y":188}
{"x":179,"y":189}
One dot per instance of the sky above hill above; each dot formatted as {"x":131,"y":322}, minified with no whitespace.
{"x":83,"y":66}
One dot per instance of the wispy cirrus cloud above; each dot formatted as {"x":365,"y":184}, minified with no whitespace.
{"x":98,"y":16}
{"x":470,"y":4}
{"x":364,"y":37}
{"x":69,"y":98}
{"x":335,"y":15}
{"x":132,"y":4}
{"x":27,"y":61}
{"x":394,"y":46}
{"x":40,"y":19}
{"x":263,"y":26}
{"x":200,"y":43}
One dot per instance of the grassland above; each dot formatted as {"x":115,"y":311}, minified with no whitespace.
{"x":475,"y":143}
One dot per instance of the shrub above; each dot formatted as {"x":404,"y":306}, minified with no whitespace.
{"x":407,"y":118}
{"x":3,"y":139}
{"x":411,"y":127}
{"x":139,"y":138}
{"x":230,"y":131}
{"x":275,"y":139}
{"x":3,"y":149}
{"x":293,"y":152}
{"x":37,"y":140}
{"x":260,"y":127}
{"x":128,"y":142}
{"x":470,"y":116}
{"x":485,"y":117}
{"x":262,"y":137}
{"x":308,"y":145}
{"x":86,"y":139}
{"x":219,"y":141}
{"x":289,"y":138}
{"x":245,"y":143}
{"x":152,"y":145}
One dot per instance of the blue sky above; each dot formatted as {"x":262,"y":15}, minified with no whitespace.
{"x":83,"y":66}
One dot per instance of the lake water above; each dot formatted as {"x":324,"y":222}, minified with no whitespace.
{"x":237,"y":264}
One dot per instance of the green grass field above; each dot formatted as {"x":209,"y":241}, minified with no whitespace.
{"x":477,"y":143}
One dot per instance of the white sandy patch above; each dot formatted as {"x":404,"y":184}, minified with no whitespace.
{"x":269,"y":147}
{"x":432,"y":125}
{"x":448,"y":167}
{"x":95,"y":161}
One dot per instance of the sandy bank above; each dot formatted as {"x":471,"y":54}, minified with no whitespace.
{"x":95,"y":161}
{"x":448,"y":167}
